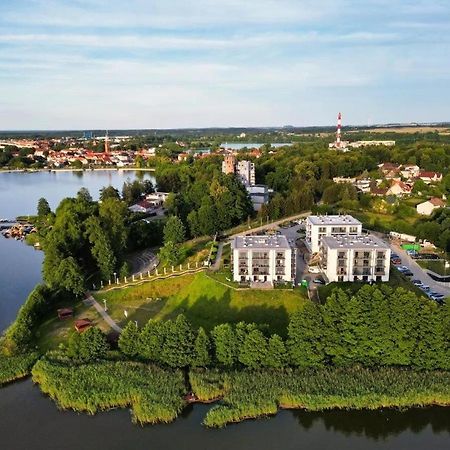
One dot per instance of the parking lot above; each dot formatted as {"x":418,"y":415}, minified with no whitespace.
{"x":418,"y":273}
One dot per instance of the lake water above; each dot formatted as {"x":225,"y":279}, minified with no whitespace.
{"x":30,"y":421}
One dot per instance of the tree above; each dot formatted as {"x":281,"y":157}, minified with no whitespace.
{"x":170,"y":253}
{"x":152,"y":339}
{"x":129,"y":340}
{"x":101,"y":249}
{"x":276,"y":355}
{"x":113,"y":213}
{"x":194,"y":225}
{"x":207,"y":217}
{"x":178,"y":344}
{"x":69,"y":276}
{"x":306,"y":337}
{"x":174,"y":230}
{"x":202,"y":349}
{"x":224,"y":344}
{"x":83,"y":195}
{"x":43,"y":208}
{"x":254,"y":349}
{"x":109,"y":192}
{"x":88,"y":346}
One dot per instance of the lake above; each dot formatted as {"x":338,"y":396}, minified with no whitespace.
{"x":29,"y":420}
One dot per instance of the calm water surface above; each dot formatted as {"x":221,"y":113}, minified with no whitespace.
{"x":29,"y":420}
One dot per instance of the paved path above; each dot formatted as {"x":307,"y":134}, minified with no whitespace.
{"x":272,"y":224}
{"x":418,"y":272}
{"x":216,"y":266}
{"x":101,"y":310}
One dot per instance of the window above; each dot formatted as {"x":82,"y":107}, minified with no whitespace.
{"x":322,"y":230}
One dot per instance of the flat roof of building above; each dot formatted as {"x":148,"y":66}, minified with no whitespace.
{"x":261,"y":242}
{"x":340,"y":219}
{"x":361,"y":242}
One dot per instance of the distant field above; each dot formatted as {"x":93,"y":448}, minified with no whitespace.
{"x":408,"y":130}
{"x":204,"y":301}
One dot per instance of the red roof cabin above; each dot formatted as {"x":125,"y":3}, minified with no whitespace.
{"x":65,"y":313}
{"x":82,"y":324}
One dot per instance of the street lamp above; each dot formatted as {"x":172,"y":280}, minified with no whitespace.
{"x":106,"y":308}
{"x":115,"y":277}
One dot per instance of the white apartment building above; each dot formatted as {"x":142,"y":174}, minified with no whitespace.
{"x":246,"y":172}
{"x":355,"y":258}
{"x":318,"y":227}
{"x":263,"y":258}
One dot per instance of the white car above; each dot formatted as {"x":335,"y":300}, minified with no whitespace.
{"x":314,"y":269}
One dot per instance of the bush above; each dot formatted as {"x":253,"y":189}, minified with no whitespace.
{"x":19,"y":336}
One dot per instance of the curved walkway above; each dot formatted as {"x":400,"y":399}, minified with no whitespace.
{"x":90,"y":301}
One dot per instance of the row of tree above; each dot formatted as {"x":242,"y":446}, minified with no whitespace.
{"x":176,"y":344}
{"x":373,"y":327}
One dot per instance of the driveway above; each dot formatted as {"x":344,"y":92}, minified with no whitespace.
{"x":419,"y":273}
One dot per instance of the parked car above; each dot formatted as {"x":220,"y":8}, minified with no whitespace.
{"x":417,"y":283}
{"x":408,"y":273}
{"x":314,"y":269}
{"x":402,"y":268}
{"x":318,"y":281}
{"x":396,"y":261}
{"x":424,"y":288}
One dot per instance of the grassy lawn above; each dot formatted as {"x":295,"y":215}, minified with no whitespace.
{"x":437,"y":266}
{"x":197,"y":250}
{"x":378,"y":220}
{"x":204,"y":301}
{"x":396,"y":280}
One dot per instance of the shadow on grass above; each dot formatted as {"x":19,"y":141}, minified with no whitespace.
{"x":211,"y":311}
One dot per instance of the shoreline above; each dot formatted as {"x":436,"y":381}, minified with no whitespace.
{"x":93,"y":169}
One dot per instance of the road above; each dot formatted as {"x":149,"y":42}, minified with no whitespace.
{"x":271,"y":225}
{"x":419,"y":273}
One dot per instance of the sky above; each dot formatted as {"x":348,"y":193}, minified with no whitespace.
{"x":118,"y":64}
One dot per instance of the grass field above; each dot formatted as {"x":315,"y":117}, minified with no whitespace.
{"x":54,"y":331}
{"x":204,"y":301}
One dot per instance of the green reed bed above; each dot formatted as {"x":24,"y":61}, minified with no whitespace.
{"x":154,"y":394}
{"x":15,"y":367}
{"x":207,"y":384}
{"x":250,"y":394}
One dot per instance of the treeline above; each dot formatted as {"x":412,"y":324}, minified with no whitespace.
{"x":206,"y":200}
{"x":372,"y":328}
{"x":85,"y":239}
{"x":302,"y":175}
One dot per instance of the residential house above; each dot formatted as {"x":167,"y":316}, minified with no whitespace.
{"x":144,"y":206}
{"x":427,"y":208}
{"x":429,"y":177}
{"x":399,"y":188}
